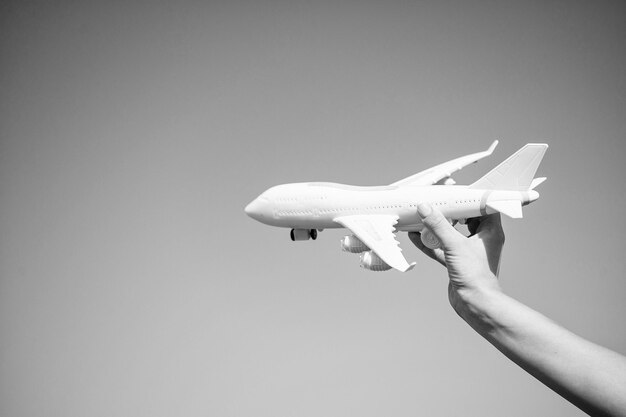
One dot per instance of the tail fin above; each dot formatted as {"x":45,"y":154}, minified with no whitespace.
{"x":516,"y":173}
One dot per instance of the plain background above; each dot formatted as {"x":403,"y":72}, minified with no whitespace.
{"x":132,"y":135}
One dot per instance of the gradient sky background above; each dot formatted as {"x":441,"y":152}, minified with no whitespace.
{"x":132,"y":134}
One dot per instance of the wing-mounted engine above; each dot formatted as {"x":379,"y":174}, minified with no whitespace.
{"x":371,"y":261}
{"x":446,"y":181}
{"x":303,"y":234}
{"x":353,"y":244}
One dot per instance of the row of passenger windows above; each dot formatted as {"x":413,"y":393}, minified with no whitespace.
{"x":341,"y":210}
{"x":306,"y":198}
{"x":436,"y":203}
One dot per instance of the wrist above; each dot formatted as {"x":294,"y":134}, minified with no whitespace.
{"x":478,"y":306}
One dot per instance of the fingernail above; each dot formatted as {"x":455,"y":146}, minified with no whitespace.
{"x":424,"y":209}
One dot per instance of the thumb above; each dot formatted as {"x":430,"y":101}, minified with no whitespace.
{"x":438,"y":224}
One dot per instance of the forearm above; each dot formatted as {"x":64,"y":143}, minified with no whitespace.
{"x":590,"y":376}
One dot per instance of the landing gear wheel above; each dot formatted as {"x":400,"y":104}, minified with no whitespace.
{"x":313,"y":234}
{"x":429,"y":239}
{"x":293,"y":236}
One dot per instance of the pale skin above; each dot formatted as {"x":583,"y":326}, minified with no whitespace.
{"x":591,"y":377}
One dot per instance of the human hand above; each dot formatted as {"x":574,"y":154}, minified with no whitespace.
{"x":472,"y":262}
{"x":592,"y":377}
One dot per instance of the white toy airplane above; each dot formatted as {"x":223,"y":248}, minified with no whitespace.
{"x":374,"y":214}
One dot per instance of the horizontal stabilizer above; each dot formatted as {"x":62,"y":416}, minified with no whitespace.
{"x":536,"y":182}
{"x":511,"y":208}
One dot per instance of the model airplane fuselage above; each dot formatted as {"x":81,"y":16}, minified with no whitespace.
{"x":317,"y":205}
{"x":372,"y":213}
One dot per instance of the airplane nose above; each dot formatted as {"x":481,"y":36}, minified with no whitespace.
{"x":253,"y":209}
{"x":532,"y":196}
{"x":250,"y":208}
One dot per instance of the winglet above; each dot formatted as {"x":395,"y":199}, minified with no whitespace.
{"x":491,"y":147}
{"x":411,"y":266}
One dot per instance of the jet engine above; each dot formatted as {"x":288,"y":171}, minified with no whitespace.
{"x":371,"y":261}
{"x":303,"y":234}
{"x":353,"y":244}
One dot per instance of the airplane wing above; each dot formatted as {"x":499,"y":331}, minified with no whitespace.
{"x":433,"y":175}
{"x":377,"y":232}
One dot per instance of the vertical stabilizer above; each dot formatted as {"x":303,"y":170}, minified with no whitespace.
{"x":516,"y":173}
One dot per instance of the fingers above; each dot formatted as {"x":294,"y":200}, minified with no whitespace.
{"x":436,"y":254}
{"x":490,"y":227}
{"x":492,"y":222}
{"x":486,"y":225}
{"x":439,"y":225}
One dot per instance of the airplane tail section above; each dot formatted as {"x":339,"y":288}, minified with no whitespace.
{"x":510,"y":208}
{"x":517,"y":172}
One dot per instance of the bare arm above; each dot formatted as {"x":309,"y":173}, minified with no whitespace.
{"x":588,"y":375}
